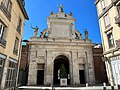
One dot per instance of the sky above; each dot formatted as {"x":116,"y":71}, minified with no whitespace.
{"x":84,"y":11}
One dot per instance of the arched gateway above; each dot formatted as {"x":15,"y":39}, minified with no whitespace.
{"x":59,"y":44}
{"x":59,"y":60}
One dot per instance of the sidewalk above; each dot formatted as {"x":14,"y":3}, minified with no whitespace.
{"x":64,"y":88}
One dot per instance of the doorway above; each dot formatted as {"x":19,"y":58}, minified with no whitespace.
{"x":57,"y":64}
{"x":40,"y":74}
{"x":82,"y":76}
{"x":40,"y":77}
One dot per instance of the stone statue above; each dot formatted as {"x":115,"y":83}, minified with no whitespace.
{"x":86,"y":34}
{"x":41,"y":34}
{"x":51,"y":12}
{"x":61,"y":8}
{"x":35,"y":30}
{"x":70,"y":14}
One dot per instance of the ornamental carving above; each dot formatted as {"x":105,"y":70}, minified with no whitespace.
{"x":82,"y":60}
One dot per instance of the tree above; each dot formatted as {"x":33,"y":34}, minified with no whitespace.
{"x":63,"y":73}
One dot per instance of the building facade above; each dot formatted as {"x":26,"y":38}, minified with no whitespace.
{"x":12,"y":17}
{"x":59,"y":44}
{"x":23,"y":68}
{"x":109,"y":21}
{"x":99,"y":65}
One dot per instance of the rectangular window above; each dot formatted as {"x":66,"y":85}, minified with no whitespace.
{"x":118,"y":8}
{"x":19,"y":25}
{"x":3,"y":30}
{"x":1,"y":68}
{"x":11,"y":75}
{"x":16,"y":46}
{"x":110,"y":40}
{"x":8,"y":5}
{"x":103,"y":4}
{"x":107,"y":21}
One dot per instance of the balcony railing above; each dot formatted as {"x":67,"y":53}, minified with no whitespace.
{"x":5,"y":11}
{"x":117,"y":19}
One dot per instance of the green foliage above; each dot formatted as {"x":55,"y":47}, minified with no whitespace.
{"x":63,"y":73}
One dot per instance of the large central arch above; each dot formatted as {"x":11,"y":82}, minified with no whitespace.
{"x":59,"y":60}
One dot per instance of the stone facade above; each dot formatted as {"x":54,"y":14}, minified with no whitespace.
{"x":12,"y":17}
{"x":109,"y":21}
{"x":60,"y":44}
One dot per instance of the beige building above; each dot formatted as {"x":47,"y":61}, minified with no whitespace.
{"x":60,"y":43}
{"x":109,"y":21}
{"x":12,"y":17}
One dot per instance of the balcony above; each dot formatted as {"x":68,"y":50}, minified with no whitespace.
{"x":5,"y":11}
{"x":117,"y":19}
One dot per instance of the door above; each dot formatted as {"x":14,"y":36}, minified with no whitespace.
{"x":40,"y":77}
{"x":82,"y":76}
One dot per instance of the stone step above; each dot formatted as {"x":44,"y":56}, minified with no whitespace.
{"x":64,"y":88}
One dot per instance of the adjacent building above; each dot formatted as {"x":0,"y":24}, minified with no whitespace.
{"x":99,"y":65}
{"x":24,"y":63}
{"x":109,"y":21}
{"x":12,"y":17}
{"x":60,"y":43}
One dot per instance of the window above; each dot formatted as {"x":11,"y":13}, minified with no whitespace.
{"x":118,"y":8}
{"x":110,"y":40}
{"x":19,"y":25}
{"x":2,"y":34}
{"x":1,"y":68}
{"x":8,"y":5}
{"x":11,"y":75}
{"x":16,"y":46}
{"x":107,"y":21}
{"x":103,"y":4}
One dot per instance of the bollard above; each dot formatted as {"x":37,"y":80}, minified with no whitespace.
{"x":86,"y":84}
{"x":112,"y":88}
{"x":104,"y":86}
{"x":118,"y":87}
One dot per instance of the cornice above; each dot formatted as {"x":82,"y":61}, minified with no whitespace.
{"x":106,"y":10}
{"x":96,"y":1}
{"x":111,"y":51}
{"x":23,"y":9}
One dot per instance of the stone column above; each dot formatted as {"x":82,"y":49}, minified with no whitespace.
{"x":49,"y":69}
{"x":76,"y":80}
{"x":90,"y":66}
{"x":71,"y":68}
{"x":86,"y":68}
{"x":32,"y":77}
